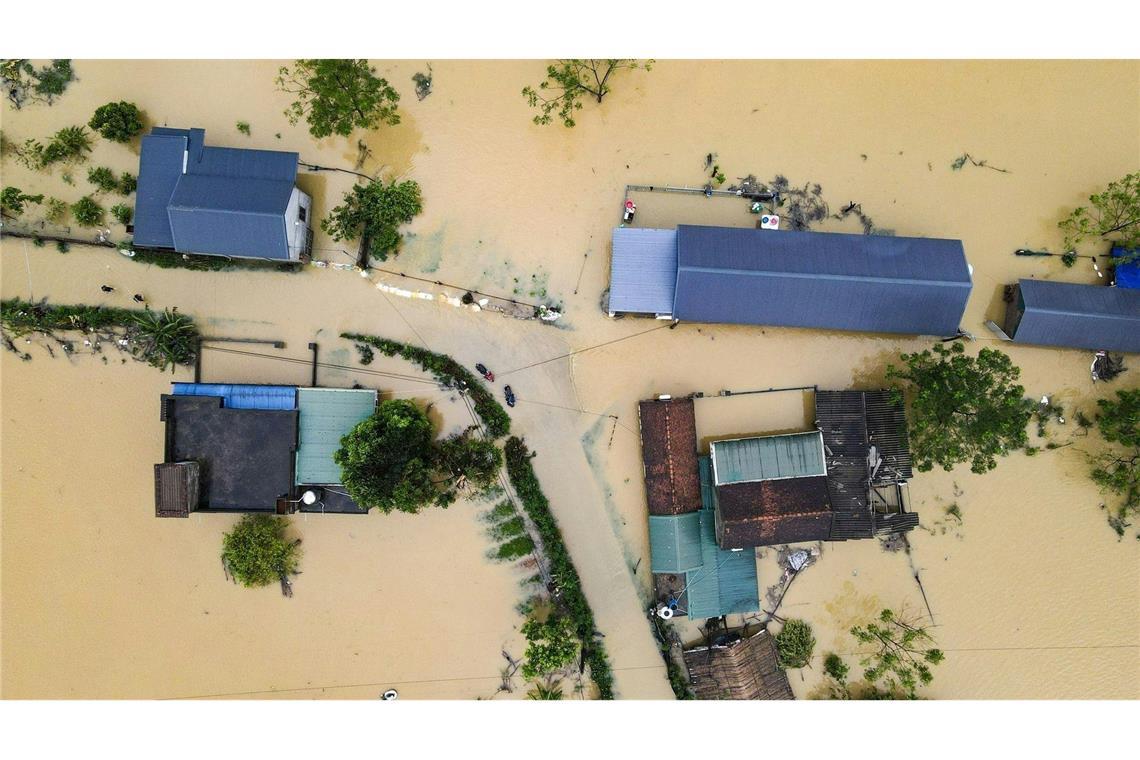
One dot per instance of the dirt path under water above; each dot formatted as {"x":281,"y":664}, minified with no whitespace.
{"x":1033,"y":596}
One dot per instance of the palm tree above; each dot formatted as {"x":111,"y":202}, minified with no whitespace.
{"x":550,"y":689}
{"x":163,"y":338}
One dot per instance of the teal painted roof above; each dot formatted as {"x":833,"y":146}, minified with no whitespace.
{"x":326,"y":415}
{"x":675,"y":542}
{"x":793,"y":455}
{"x":726,"y":581}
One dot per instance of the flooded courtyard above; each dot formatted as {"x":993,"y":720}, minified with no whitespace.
{"x":1031,"y":594}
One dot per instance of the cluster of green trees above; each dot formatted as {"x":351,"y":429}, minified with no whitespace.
{"x":67,"y":146}
{"x":899,"y":659}
{"x":337,"y":96}
{"x":160,"y":339}
{"x":449,"y":373}
{"x":257,"y":552}
{"x":569,"y":600}
{"x":23,"y":82}
{"x":1112,"y":215}
{"x":1116,"y":467}
{"x":391,"y":461}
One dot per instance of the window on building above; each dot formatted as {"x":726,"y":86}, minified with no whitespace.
{"x":302,"y":213}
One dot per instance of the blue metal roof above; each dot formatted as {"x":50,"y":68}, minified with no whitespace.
{"x":874,"y":283}
{"x":643,"y":271}
{"x":1127,"y":275}
{"x":160,"y":168}
{"x":239,"y":396}
{"x":1064,"y":314}
{"x":199,"y":199}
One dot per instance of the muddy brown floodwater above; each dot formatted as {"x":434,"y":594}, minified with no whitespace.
{"x":1032,"y":595}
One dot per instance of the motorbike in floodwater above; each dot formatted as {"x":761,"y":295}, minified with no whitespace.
{"x":487,"y":374}
{"x":509,"y":395}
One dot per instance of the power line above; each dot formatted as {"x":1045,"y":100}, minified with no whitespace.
{"x":329,"y":365}
{"x":497,"y":676}
{"x":583,"y":350}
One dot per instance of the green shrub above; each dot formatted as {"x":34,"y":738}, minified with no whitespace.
{"x":87,"y":212}
{"x":795,"y":644}
{"x":62,"y":246}
{"x":118,"y":122}
{"x":550,"y":646}
{"x":243,"y":127}
{"x":103,"y":178}
{"x":515,"y":548}
{"x":12,"y":200}
{"x":69,"y":145}
{"x":257,"y":553}
{"x":56,"y":211}
{"x":128,"y":183}
{"x":122,"y":213}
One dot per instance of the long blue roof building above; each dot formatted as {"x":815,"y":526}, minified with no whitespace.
{"x":866,"y":283}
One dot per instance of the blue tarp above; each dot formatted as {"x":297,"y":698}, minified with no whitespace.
{"x":1127,"y":275}
{"x":872,"y":283}
{"x":237,"y":396}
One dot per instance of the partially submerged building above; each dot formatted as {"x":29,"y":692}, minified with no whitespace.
{"x":847,"y":479}
{"x":866,"y":283}
{"x":199,"y":199}
{"x":255,"y":448}
{"x":738,"y":665}
{"x":1068,"y":315}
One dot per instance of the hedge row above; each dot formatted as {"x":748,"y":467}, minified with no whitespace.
{"x":572,"y":599}
{"x":448,"y":371}
{"x":21,"y":317}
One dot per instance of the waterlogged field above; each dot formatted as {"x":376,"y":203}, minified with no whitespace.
{"x":1032,"y":595}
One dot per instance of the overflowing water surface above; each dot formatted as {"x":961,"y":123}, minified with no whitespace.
{"x":1032,"y":595}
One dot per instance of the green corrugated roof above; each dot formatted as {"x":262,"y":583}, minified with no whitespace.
{"x":326,"y":415}
{"x":675,"y":542}
{"x":793,"y":455}
{"x":726,"y":581}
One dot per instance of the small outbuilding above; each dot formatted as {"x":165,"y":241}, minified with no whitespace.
{"x":736,"y":665}
{"x":1068,"y":315}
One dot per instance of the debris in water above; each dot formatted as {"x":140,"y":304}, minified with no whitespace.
{"x":423,"y":83}
{"x":961,"y":161}
{"x":1106,"y":366}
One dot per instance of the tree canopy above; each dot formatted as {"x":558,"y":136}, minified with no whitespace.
{"x":551,"y":645}
{"x":1116,"y":469}
{"x":385,"y":460}
{"x":118,"y":122}
{"x":569,"y":81}
{"x":901,"y":657}
{"x":795,"y":644}
{"x":963,"y":408}
{"x":23,"y":82}
{"x":373,"y":213}
{"x":391,"y":460}
{"x":1112,"y":215}
{"x":256,"y":552}
{"x":336,"y":96}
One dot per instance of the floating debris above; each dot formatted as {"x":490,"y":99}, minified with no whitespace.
{"x":423,"y":83}
{"x":965,"y":158}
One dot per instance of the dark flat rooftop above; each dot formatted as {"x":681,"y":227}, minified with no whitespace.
{"x":246,"y":455}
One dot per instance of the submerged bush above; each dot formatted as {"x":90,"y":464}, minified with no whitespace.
{"x":795,"y":644}
{"x":118,"y":122}
{"x":256,"y":552}
{"x":87,"y":212}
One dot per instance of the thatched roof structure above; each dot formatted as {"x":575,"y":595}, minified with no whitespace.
{"x":738,"y":667}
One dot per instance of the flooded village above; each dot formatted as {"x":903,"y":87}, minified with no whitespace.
{"x":647,"y":359}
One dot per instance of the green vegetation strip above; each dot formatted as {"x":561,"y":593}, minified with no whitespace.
{"x":571,"y":598}
{"x":448,"y":371}
{"x":159,"y":338}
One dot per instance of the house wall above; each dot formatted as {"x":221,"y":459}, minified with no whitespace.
{"x":296,"y":228}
